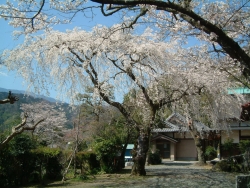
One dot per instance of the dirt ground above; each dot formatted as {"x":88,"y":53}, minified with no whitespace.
{"x":168,"y":174}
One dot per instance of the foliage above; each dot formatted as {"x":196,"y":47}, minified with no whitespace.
{"x":210,"y":152}
{"x":88,"y":163}
{"x":46,"y":151}
{"x":243,"y":145}
{"x":222,"y":166}
{"x":162,"y":81}
{"x":106,"y":152}
{"x":49,"y":160}
{"x":229,"y":165}
{"x":23,"y":161}
{"x":154,"y":158}
{"x":228,"y":145}
{"x":237,"y":163}
{"x":16,"y":161}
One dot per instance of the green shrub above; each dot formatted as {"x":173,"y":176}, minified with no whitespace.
{"x":87,"y":162}
{"x":154,"y":158}
{"x":48,"y":159}
{"x":228,"y":166}
{"x":22,"y":162}
{"x":228,"y":146}
{"x":223,"y":166}
{"x":106,"y":152}
{"x":243,"y":145}
{"x":210,"y":153}
{"x":17,"y":162}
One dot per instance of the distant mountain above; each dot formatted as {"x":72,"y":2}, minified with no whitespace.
{"x":50,"y":99}
{"x":10,"y":113}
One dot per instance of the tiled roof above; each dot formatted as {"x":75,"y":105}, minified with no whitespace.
{"x":164,"y":137}
{"x":178,"y":123}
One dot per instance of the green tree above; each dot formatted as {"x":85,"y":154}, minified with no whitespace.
{"x":111,"y":143}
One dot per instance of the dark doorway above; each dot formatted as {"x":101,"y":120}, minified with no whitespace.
{"x":164,"y":149}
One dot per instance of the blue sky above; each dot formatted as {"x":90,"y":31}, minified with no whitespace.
{"x":10,"y":80}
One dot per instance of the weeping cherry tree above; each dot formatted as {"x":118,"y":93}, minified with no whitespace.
{"x":116,"y":63}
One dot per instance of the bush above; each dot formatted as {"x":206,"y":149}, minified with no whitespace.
{"x":154,"y":158}
{"x":22,"y":162}
{"x":48,"y":159}
{"x":210,"y":153}
{"x":230,"y":165}
{"x":243,"y":145}
{"x":17,"y":162}
{"x":87,"y":162}
{"x":228,"y":146}
{"x":223,"y":166}
{"x":106,"y":152}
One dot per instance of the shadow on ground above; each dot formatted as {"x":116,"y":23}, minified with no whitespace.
{"x":176,"y":164}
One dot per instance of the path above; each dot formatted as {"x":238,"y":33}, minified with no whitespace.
{"x":168,"y":174}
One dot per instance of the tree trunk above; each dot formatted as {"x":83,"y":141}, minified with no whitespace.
{"x":139,"y":153}
{"x":198,"y":142}
{"x":200,"y":150}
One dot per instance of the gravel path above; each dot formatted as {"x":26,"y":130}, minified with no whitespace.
{"x":169,"y":174}
{"x":188,"y":175}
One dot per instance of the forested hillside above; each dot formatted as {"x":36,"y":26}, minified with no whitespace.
{"x":10,"y":114}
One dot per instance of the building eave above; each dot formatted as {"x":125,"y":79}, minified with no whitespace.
{"x":164,"y":137}
{"x":239,"y":128}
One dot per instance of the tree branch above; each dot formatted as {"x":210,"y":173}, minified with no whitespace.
{"x":18,"y":130}
{"x":231,"y":47}
{"x":10,"y":99}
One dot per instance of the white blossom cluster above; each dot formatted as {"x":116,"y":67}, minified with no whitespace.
{"x":113,"y":60}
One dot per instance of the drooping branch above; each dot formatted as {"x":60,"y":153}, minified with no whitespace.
{"x":183,"y":93}
{"x":105,"y":97}
{"x":129,"y":72}
{"x":231,"y":47}
{"x":94,"y":78}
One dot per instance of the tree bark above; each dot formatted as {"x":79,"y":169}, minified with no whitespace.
{"x":200,"y":150}
{"x":198,"y":143}
{"x":139,"y":153}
